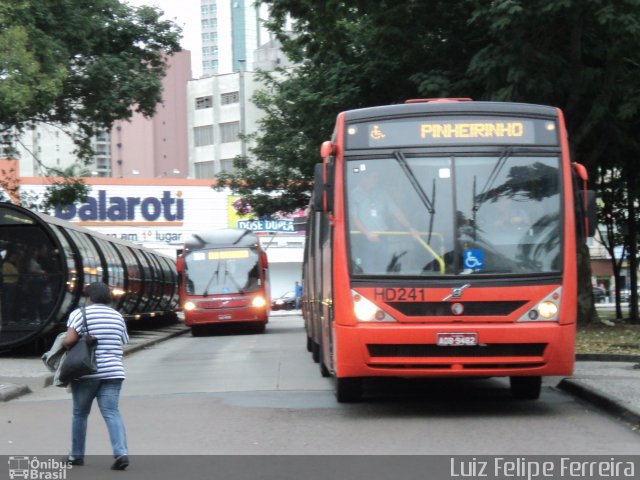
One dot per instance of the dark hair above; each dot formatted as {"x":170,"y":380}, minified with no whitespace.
{"x":98,"y":292}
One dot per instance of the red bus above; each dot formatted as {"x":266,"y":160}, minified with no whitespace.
{"x":224,"y":278}
{"x":441,"y":242}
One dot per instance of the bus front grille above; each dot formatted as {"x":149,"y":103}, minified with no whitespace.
{"x":431,"y":351}
{"x":443,"y":309}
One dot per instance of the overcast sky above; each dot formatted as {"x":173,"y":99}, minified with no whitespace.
{"x":185,"y":13}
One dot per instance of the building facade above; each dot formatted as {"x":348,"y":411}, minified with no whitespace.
{"x":231,"y":31}
{"x":156,"y":147}
{"x":219,"y":112}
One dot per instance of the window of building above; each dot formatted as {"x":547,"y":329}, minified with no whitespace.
{"x":205,"y":23}
{"x":206,"y":36}
{"x":226,"y":165}
{"x":205,"y":169}
{"x":203,"y":135}
{"x":204,"y":102}
{"x":229,"y":132}
{"x":228,"y":98}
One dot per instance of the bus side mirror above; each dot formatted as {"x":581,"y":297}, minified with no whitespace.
{"x":587,"y":200}
{"x":322,"y":195}
{"x":591,"y":213}
{"x":180,"y":264}
{"x":326,"y":149}
{"x":317,"y":196}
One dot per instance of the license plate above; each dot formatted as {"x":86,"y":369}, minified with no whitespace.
{"x":224,"y":317}
{"x":457,"y":339}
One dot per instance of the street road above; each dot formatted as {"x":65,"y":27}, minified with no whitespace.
{"x":242,"y":393}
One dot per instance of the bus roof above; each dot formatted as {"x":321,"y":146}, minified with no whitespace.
{"x":224,"y":237}
{"x":454,"y":107}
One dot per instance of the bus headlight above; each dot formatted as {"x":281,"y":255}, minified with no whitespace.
{"x":258,"y":302}
{"x":188,"y":306}
{"x":547,"y":309}
{"x":367,"y":311}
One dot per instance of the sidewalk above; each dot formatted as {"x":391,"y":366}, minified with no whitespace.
{"x":607,"y":381}
{"x":611,"y":382}
{"x":22,"y":375}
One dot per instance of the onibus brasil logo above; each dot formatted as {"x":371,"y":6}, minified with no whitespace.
{"x":35,"y":469}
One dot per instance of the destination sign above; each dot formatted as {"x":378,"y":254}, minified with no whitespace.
{"x":227,"y":254}
{"x":439,"y":131}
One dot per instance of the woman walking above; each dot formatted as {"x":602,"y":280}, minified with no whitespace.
{"x":107,"y":325}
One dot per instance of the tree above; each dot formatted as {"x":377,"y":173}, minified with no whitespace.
{"x":581,"y":56}
{"x":86,"y":64}
{"x":350,"y":55}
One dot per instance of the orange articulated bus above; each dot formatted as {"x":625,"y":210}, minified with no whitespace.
{"x":224,"y":278}
{"x":441,"y":242}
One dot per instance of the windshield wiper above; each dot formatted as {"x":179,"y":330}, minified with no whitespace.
{"x":235,"y":283}
{"x":402,"y":161}
{"x":214,"y":275}
{"x":482,"y":196}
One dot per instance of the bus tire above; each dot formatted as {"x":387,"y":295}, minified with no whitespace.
{"x":315,"y":351}
{"x":197,"y":331}
{"x":525,"y":388}
{"x":324,"y":371}
{"x":309,"y":343}
{"x":348,"y":390}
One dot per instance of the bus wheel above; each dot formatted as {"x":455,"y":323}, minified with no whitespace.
{"x":309,"y":342}
{"x":324,"y":371}
{"x":197,"y":331}
{"x":348,"y":389}
{"x":315,"y":351}
{"x":526,"y":388}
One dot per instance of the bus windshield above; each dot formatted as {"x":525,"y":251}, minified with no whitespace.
{"x":454,"y":215}
{"x":222,"y":271}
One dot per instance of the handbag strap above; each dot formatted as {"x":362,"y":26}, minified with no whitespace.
{"x":84,"y":320}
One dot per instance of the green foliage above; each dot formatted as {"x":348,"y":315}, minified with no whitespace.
{"x":84,"y":63}
{"x":582,"y":56}
{"x":66,"y":188}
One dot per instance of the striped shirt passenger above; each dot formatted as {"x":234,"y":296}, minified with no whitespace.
{"x":107,"y":325}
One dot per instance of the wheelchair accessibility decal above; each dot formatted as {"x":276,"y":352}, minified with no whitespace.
{"x":473,"y":259}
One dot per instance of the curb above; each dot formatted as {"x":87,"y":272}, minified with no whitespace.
{"x":606,"y":357}
{"x":9,"y":391}
{"x":600,"y":399}
{"x":128,"y":350}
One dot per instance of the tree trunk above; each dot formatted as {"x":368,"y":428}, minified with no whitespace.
{"x":586,"y":307}
{"x":633,"y":250}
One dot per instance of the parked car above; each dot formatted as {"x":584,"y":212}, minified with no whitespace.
{"x":286,"y":301}
{"x":599,"y":294}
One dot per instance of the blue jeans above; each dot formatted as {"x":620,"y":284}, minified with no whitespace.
{"x":108,"y":394}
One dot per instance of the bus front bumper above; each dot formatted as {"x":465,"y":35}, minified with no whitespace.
{"x":217,"y":316}
{"x":412,"y":351}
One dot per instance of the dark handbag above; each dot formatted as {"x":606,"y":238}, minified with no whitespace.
{"x":80,"y":360}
